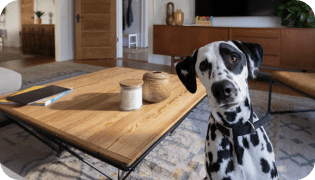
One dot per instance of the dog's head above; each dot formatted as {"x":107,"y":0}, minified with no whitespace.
{"x":223,"y":67}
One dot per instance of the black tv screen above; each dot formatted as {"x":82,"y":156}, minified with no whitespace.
{"x":237,"y":7}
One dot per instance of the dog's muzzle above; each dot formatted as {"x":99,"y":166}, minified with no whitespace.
{"x":224,"y":91}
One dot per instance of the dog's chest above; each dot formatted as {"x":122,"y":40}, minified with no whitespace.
{"x":244,"y":157}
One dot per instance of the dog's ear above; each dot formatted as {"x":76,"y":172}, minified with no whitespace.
{"x":254,"y":54}
{"x":187,"y":73}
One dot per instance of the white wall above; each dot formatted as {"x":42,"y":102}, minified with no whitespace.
{"x":157,"y":15}
{"x":64,"y":30}
{"x":47,"y":6}
{"x":11,"y":24}
{"x":136,"y":25}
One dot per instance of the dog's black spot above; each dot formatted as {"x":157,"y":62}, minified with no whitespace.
{"x":239,"y":151}
{"x":222,"y":154}
{"x":226,"y":52}
{"x":230,"y":167}
{"x":218,"y":67}
{"x":226,"y":71}
{"x":254,"y":115}
{"x":230,"y":77}
{"x":204,"y":65}
{"x":230,"y":116}
{"x":224,"y":142}
{"x":240,"y":120}
{"x":208,"y":170}
{"x":227,"y":178}
{"x":246,"y":102}
{"x":274,"y":172}
{"x":213,"y":75}
{"x":262,"y":147}
{"x":254,"y":139}
{"x":264,"y":165}
{"x":211,"y":116}
{"x":219,"y":74}
{"x":207,"y":137}
{"x":213,"y":129}
{"x":245,"y":143}
{"x":210,"y":156}
{"x":269,"y":147}
{"x":238,"y":109}
{"x":215,"y":167}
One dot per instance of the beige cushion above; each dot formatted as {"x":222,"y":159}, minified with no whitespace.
{"x":303,"y":82}
{"x":10,"y":81}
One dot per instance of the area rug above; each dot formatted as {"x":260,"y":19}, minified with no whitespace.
{"x":5,"y":56}
{"x":180,"y":156}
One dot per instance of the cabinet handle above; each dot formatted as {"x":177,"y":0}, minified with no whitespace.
{"x":78,"y":18}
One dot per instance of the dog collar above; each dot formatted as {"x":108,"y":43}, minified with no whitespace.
{"x":248,"y":128}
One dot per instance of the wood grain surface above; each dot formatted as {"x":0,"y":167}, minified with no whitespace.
{"x":90,"y":117}
{"x":291,"y":48}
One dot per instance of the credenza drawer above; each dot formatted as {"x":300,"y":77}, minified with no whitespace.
{"x":253,"y":32}
{"x":271,"y":60}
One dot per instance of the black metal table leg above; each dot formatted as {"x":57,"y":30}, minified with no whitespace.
{"x":5,"y":123}
{"x":292,"y":89}
{"x":37,"y":137}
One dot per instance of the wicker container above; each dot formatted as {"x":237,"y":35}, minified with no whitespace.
{"x":204,"y":23}
{"x":156,"y":86}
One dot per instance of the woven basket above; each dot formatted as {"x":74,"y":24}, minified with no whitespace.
{"x":156,"y":86}
{"x":204,"y":23}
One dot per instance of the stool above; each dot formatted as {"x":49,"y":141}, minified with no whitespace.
{"x":129,"y":39}
{"x":10,"y":81}
{"x":300,"y":82}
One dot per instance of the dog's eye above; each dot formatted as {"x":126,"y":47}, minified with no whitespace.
{"x":233,"y":58}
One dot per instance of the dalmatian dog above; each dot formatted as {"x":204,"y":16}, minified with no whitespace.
{"x":237,"y":146}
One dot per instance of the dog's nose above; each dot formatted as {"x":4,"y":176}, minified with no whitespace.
{"x":223,"y":89}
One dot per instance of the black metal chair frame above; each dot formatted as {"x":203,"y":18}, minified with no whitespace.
{"x":53,"y":140}
{"x":292,"y":89}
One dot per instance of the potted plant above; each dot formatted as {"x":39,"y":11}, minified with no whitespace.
{"x":39,"y":14}
{"x":297,"y":12}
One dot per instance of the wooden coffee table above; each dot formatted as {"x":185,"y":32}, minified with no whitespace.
{"x":89,"y":118}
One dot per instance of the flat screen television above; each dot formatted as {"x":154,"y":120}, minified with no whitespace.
{"x":237,"y":7}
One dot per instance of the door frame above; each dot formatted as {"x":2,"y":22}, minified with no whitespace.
{"x":119,"y":32}
{"x":144,"y":24}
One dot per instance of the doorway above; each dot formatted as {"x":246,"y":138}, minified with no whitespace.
{"x":135,"y":30}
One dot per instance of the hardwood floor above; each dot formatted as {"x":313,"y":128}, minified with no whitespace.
{"x":132,"y":60}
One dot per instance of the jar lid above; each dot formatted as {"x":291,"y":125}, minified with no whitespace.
{"x":156,"y":75}
{"x":131,"y":82}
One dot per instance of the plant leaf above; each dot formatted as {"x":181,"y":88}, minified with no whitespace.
{"x":285,"y":22}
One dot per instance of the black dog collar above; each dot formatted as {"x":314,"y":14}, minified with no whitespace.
{"x":245,"y":129}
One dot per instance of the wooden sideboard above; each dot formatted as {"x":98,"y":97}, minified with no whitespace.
{"x":292,"y":48}
{"x":38,"y":39}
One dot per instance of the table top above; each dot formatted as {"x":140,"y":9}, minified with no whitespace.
{"x":90,"y":117}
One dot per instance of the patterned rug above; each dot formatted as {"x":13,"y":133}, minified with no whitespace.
{"x":5,"y":56}
{"x":180,"y":156}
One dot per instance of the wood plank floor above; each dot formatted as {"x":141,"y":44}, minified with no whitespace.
{"x":131,"y":60}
